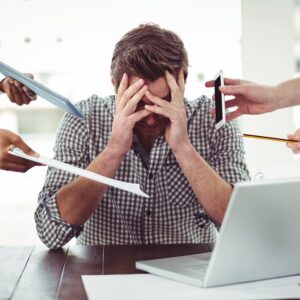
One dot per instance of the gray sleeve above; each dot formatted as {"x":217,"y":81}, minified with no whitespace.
{"x":71,"y":147}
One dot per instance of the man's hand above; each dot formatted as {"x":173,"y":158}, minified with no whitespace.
{"x":9,"y":162}
{"x":249,"y":98}
{"x":126,"y":115}
{"x":16,"y":91}
{"x":176,"y":131}
{"x":294,"y":146}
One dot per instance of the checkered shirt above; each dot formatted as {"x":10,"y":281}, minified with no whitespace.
{"x":172,"y":214}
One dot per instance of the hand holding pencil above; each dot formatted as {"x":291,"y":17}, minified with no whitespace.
{"x":296,"y":145}
{"x":292,"y":141}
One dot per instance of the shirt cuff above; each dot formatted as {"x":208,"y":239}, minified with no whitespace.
{"x":53,"y":213}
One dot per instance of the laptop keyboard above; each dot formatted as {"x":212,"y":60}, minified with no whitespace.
{"x":199,"y":267}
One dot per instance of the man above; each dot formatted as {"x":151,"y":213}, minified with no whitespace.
{"x":19,"y":94}
{"x":254,"y":99}
{"x":147,"y":134}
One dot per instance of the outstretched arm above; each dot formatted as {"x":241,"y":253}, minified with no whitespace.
{"x":251,"y":98}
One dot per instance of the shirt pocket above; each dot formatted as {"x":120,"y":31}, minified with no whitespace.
{"x":179,"y":191}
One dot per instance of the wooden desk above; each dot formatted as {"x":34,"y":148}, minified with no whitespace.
{"x":39,"y":273}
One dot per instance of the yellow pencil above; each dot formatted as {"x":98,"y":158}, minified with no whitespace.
{"x":269,"y":138}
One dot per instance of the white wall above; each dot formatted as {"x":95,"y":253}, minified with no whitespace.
{"x":267,"y":57}
{"x":72,"y":41}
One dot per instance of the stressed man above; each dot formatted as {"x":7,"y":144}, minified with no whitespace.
{"x":148,"y":133}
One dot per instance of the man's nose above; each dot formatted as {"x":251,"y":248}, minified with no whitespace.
{"x":151,"y":119}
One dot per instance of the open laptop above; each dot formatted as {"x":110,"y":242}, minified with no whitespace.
{"x":259,"y":239}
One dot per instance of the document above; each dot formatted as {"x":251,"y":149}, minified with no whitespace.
{"x":129,"y":187}
{"x":146,"y":286}
{"x":40,"y":90}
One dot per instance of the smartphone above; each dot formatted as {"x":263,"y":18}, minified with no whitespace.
{"x":219,"y":101}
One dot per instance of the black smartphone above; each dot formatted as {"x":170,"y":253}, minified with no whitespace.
{"x":219,"y":100}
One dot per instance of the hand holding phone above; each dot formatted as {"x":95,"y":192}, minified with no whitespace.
{"x":219,"y":101}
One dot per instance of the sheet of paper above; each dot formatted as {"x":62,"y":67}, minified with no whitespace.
{"x":129,"y":187}
{"x":146,"y":286}
{"x":40,"y":89}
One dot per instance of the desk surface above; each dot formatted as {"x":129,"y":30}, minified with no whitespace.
{"x":38,"y":273}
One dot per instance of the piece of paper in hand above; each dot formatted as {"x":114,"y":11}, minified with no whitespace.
{"x":129,"y":187}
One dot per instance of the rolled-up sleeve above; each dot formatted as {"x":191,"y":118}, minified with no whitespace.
{"x":71,"y":147}
{"x":228,"y":155}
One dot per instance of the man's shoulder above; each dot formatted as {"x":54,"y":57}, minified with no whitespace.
{"x":199,"y":108}
{"x":96,"y":104}
{"x":200,"y":103}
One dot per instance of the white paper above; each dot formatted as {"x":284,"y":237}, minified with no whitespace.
{"x":146,"y":286}
{"x":129,"y":187}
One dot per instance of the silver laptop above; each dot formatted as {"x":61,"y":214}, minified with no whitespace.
{"x":259,"y":239}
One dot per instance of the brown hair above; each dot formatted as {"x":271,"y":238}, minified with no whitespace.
{"x":146,"y":52}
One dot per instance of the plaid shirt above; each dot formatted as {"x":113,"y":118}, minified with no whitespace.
{"x":172,"y":214}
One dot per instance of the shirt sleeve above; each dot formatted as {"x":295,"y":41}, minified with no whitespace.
{"x":71,"y":147}
{"x":228,"y":154}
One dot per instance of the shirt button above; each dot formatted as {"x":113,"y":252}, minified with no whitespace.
{"x":148,"y":212}
{"x":150,"y":175}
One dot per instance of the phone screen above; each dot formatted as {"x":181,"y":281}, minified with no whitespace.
{"x":219,"y":101}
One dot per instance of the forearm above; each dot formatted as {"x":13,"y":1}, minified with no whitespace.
{"x":212,"y":191}
{"x":287,"y":93}
{"x":78,"y":199}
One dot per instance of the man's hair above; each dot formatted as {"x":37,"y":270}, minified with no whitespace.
{"x":146,"y":52}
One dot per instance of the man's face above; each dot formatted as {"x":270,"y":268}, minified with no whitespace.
{"x":153,"y":125}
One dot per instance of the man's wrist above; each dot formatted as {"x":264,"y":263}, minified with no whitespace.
{"x":112,"y":154}
{"x":185,"y":150}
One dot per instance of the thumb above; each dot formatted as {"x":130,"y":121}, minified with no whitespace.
{"x":25,"y":148}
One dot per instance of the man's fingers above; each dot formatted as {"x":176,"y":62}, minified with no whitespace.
{"x":156,"y":100}
{"x":175,"y":91}
{"x":139,"y":115}
{"x":181,"y":83}
{"x":130,"y":92}
{"x":123,"y":84}
{"x":158,"y":110}
{"x":133,"y":102}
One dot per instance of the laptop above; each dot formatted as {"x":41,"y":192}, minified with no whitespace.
{"x":259,"y":239}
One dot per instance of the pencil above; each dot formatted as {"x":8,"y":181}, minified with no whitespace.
{"x":269,"y":138}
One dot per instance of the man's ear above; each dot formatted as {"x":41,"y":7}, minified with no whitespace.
{"x":114,"y":83}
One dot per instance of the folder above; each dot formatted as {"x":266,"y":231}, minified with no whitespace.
{"x":41,"y":90}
